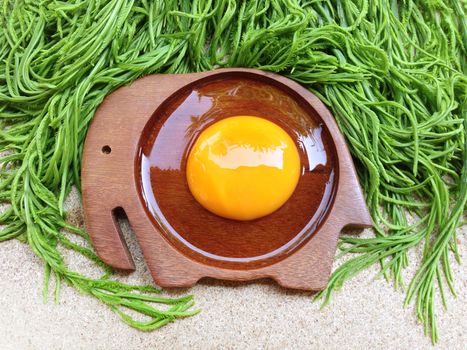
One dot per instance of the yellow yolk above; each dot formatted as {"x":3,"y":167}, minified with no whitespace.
{"x":243,"y":168}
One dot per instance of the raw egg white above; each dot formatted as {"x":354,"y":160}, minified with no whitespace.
{"x":243,"y":167}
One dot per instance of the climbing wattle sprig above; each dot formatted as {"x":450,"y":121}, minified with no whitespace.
{"x":392,"y":72}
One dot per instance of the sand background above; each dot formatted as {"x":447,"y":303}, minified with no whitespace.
{"x":367,"y":313}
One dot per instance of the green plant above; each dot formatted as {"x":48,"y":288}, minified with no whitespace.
{"x":393,"y":73}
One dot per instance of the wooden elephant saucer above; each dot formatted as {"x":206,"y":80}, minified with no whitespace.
{"x":135,"y":160}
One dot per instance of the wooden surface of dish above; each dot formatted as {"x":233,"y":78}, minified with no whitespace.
{"x":204,"y":236}
{"x":134,"y":160}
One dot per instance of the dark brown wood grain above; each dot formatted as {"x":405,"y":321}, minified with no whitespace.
{"x":165,"y":144}
{"x":111,"y":178}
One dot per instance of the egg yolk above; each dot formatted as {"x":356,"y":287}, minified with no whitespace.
{"x":243,"y":167}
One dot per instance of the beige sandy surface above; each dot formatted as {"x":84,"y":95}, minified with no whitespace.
{"x":367,"y":313}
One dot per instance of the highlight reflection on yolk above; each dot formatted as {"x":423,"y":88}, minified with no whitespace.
{"x":243,"y":168}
